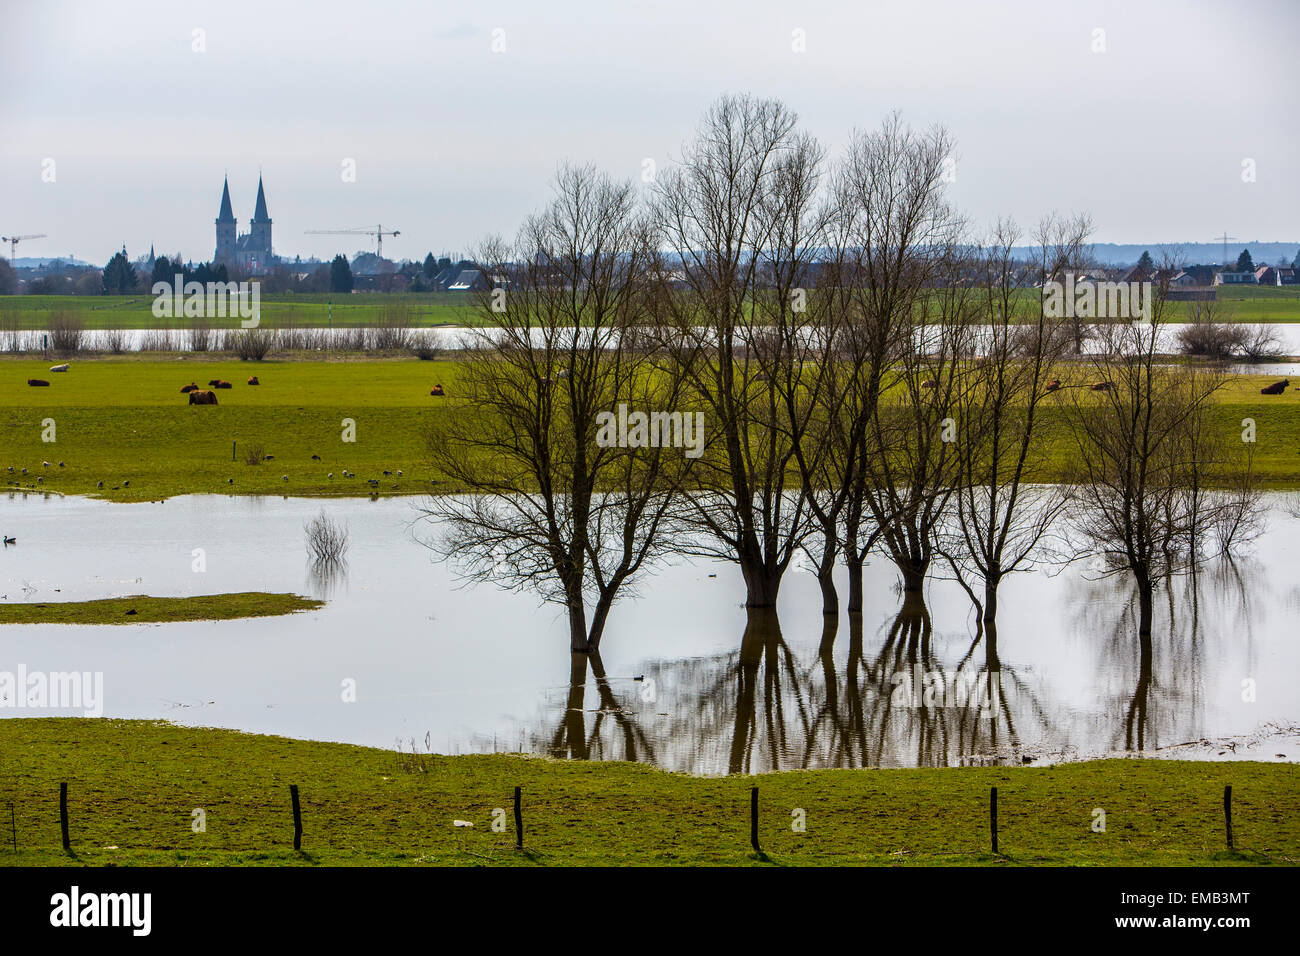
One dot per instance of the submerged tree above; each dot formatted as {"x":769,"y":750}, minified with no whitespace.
{"x":1005,"y":507}
{"x":1160,"y":487}
{"x":912,"y":464}
{"x":896,"y":230}
{"x":550,"y":505}
{"x":737,"y":219}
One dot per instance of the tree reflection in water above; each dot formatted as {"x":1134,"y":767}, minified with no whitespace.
{"x":834,"y":700}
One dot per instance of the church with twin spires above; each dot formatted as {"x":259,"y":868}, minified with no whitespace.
{"x":250,"y":252}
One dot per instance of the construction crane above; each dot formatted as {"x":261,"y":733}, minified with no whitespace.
{"x":378,"y":232}
{"x":14,"y":240}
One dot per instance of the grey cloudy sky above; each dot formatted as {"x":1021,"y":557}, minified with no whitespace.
{"x":453,"y":141}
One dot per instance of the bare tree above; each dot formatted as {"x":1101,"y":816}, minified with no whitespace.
{"x":737,"y":219}
{"x":895,"y":229}
{"x":1160,"y":489}
{"x":1005,"y":508}
{"x":551,"y":506}
{"x":911,"y":462}
{"x":1062,"y":250}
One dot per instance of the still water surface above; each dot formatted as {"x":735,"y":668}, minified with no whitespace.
{"x":462,"y":669}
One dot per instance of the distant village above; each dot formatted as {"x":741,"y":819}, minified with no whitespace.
{"x":239,"y":256}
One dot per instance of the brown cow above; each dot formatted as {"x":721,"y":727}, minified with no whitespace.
{"x":185,"y":389}
{"x":203,"y":398}
{"x":929,"y":383}
{"x":1102,"y":386}
{"x":1054,"y":384}
{"x":37,"y":381}
{"x":221,"y":383}
{"x":437,"y":390}
{"x":1277,"y":388}
{"x":254,"y":381}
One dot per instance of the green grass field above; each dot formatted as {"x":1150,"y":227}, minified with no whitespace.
{"x":134,"y":787}
{"x":289,"y":309}
{"x":143,"y":609}
{"x":123,"y":421}
{"x":1252,"y":304}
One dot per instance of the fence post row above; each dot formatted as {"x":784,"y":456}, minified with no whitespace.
{"x":519,"y":818}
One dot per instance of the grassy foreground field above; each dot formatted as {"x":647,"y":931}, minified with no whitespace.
{"x":142,"y":609}
{"x":123,"y":421}
{"x":134,"y":787}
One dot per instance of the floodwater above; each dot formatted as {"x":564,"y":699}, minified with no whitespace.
{"x":685,"y":679}
{"x":453,"y":337}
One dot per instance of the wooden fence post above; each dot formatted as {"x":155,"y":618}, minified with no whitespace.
{"x":1227,"y":812}
{"x":519,"y":820}
{"x":63,"y":815}
{"x":297,"y":817}
{"x":993,"y":817}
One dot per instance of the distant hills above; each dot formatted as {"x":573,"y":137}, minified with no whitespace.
{"x":39,"y":262}
{"x":1194,"y":253}
{"x":1106,"y":253}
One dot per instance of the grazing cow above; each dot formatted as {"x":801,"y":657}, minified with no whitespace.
{"x":1054,"y":384}
{"x":1277,"y":388}
{"x":254,"y":381}
{"x":203,"y":398}
{"x":59,"y":368}
{"x":437,"y":390}
{"x":221,"y":383}
{"x":186,"y":389}
{"x":213,"y":383}
{"x":36,"y":382}
{"x":1102,"y":386}
{"x":929,"y":383}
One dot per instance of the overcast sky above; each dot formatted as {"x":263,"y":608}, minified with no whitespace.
{"x":452,"y":141}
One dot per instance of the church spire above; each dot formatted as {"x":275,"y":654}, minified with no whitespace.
{"x":227,"y":214}
{"x":260,"y":214}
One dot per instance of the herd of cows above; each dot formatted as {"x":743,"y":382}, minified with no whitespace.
{"x":201,"y":396}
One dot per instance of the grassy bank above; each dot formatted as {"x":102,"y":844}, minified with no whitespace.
{"x":134,"y":787}
{"x":142,"y":609}
{"x":124,"y":422}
